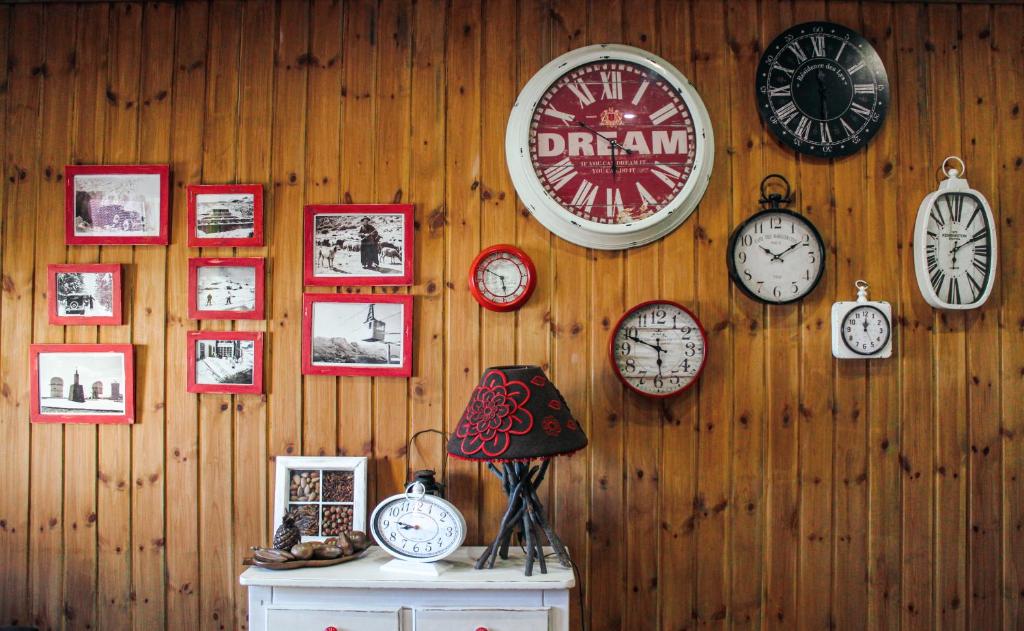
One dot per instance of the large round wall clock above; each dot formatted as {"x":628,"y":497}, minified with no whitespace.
{"x":776,"y":256}
{"x":658,"y":348}
{"x":502,"y":278}
{"x":822,"y":89}
{"x":955,"y":244}
{"x":609,"y":147}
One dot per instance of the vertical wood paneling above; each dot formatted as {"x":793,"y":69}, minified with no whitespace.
{"x":787,"y":490}
{"x":47,"y":471}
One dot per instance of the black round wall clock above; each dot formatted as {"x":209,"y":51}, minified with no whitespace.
{"x":822,"y":89}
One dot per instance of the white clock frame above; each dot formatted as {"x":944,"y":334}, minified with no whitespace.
{"x":421,"y":497}
{"x":953,"y":183}
{"x":563,"y":223}
{"x":839,"y":311}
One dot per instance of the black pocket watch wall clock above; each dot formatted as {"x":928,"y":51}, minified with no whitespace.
{"x":822,"y":89}
{"x":776,"y":256}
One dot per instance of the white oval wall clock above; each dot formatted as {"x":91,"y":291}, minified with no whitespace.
{"x":609,"y":147}
{"x":955,"y":244}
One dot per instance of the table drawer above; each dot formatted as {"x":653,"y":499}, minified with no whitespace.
{"x":306,"y":619}
{"x":486,"y":619}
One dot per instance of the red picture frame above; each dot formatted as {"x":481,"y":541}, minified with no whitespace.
{"x":197,"y":310}
{"x":80,"y":302}
{"x":367,"y":347}
{"x":113,"y":214}
{"x":195,"y":190}
{"x":94,"y":365}
{"x":338,"y":248}
{"x":256,"y":387}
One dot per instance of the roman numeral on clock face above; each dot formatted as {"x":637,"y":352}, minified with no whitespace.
{"x":953,"y":293}
{"x":559,"y":173}
{"x":938,"y":278}
{"x":568,"y":118}
{"x":955,"y":203}
{"x":798,"y":52}
{"x":646,"y":195}
{"x":855,"y":67}
{"x":665,"y":113}
{"x":864,"y":88}
{"x":818,"y":44}
{"x":666,"y":174}
{"x":585,"y":195}
{"x":860,"y":110}
{"x":803,"y":127}
{"x":826,"y":133}
{"x":640,"y":92}
{"x":611,"y":85}
{"x":582,"y":92}
{"x":788,"y":71}
{"x":781,"y":91}
{"x":786,"y":112}
{"x":976,"y":288}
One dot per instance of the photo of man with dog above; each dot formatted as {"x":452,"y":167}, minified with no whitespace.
{"x":347,"y":244}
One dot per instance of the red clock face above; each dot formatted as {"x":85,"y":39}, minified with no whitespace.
{"x":612,"y":142}
{"x":502,"y":278}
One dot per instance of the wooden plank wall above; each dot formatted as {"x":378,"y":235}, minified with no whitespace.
{"x":788,"y":491}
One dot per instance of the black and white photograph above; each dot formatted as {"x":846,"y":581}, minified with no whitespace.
{"x":85,"y":294}
{"x":355,"y":247}
{"x":225,"y":215}
{"x":224,"y":362}
{"x":116,"y":204}
{"x":357,"y":334}
{"x":81,"y":383}
{"x":226,"y":288}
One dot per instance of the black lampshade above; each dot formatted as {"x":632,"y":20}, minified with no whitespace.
{"x":515,"y":414}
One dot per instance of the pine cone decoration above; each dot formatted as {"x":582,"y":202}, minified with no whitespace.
{"x":288,"y":533}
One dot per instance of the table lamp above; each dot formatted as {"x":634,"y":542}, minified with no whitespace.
{"x":516,"y":416}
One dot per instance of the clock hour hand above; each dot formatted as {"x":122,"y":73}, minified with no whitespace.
{"x":775,"y":257}
{"x":500,"y":277}
{"x":654,"y":346}
{"x":789,"y":249}
{"x":405,"y":526}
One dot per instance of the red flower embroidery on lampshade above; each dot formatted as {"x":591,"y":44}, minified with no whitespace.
{"x":555,"y":404}
{"x":496,"y":411}
{"x":551,"y":426}
{"x":539,"y":381}
{"x":571,"y":424}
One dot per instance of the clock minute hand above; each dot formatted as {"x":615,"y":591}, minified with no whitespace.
{"x":789,"y":249}
{"x":645,"y":343}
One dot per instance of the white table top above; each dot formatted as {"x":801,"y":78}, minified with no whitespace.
{"x":366,"y":573}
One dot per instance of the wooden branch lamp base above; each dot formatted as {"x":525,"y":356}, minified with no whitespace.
{"x":523,"y":518}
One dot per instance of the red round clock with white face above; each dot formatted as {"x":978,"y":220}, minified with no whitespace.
{"x":502,"y":277}
{"x":658,"y":348}
{"x":609,"y":147}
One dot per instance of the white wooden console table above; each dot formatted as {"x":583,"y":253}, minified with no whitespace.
{"x":358,"y":596}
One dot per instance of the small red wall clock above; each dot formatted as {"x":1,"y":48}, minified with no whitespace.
{"x":86,"y":294}
{"x":658,"y":348}
{"x":226,"y":362}
{"x":225,"y":289}
{"x":502,"y":277}
{"x":116,"y":204}
{"x":82,"y":383}
{"x":225,"y":215}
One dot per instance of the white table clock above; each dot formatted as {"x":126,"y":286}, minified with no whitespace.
{"x":955,"y":244}
{"x":861,"y":329}
{"x":418,"y":529}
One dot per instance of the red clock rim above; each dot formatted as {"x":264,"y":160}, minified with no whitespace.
{"x":615,"y":366}
{"x":504,"y":306}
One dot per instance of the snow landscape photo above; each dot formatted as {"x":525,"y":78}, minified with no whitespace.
{"x":85,"y":294}
{"x":357,"y":334}
{"x":81,"y":383}
{"x":225,"y":288}
{"x":358,"y":244}
{"x":117,"y":205}
{"x":225,"y":362}
{"x":225,"y":215}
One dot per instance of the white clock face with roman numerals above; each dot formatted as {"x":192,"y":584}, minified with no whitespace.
{"x":958,"y":250}
{"x":955,"y":245}
{"x":418,"y":528}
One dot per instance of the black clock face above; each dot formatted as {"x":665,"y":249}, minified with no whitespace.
{"x":776,"y":256}
{"x":822,"y":89}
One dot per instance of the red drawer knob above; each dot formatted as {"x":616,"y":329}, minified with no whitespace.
{"x":331,"y":629}
{"x":481,"y":629}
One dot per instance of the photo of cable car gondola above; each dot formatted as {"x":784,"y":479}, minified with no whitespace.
{"x":357,"y":334}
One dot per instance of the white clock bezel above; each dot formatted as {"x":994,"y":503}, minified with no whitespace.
{"x":432,"y":499}
{"x":560,"y":221}
{"x":953,"y":184}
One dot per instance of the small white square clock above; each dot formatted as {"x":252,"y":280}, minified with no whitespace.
{"x":862,"y":328}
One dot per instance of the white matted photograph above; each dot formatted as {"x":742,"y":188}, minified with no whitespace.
{"x":93,"y":384}
{"x":358,"y":245}
{"x":116,"y":204}
{"x":225,"y":215}
{"x":357,"y":334}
